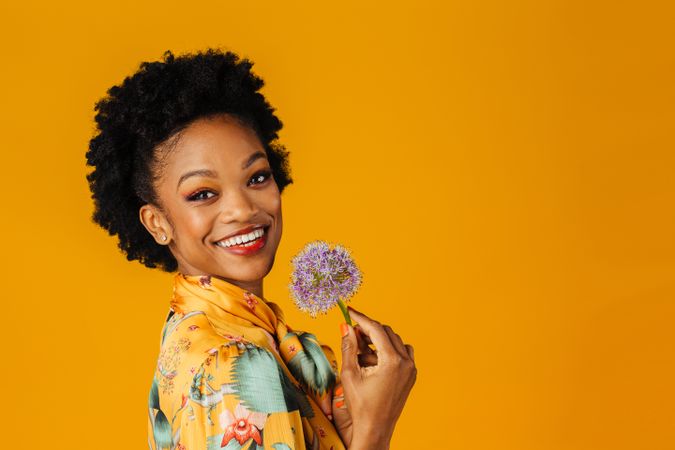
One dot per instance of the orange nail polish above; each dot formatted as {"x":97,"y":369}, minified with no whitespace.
{"x":339,"y":404}
{"x":344,"y":329}
{"x":338,"y":391}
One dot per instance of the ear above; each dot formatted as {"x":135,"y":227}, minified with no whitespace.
{"x":155,"y":222}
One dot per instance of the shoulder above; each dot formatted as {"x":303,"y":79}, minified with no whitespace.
{"x":189,"y":332}
{"x":188,"y":341}
{"x":193,"y":352}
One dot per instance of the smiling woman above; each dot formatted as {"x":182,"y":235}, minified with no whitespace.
{"x":216,"y":185}
{"x":188,"y":175}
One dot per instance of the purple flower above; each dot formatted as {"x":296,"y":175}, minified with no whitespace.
{"x":322,"y":277}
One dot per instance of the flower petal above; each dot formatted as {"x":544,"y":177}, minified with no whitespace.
{"x":258,"y":419}
{"x":240,"y":412}
{"x":226,"y":419}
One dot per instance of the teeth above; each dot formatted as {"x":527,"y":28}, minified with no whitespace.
{"x":245,"y":239}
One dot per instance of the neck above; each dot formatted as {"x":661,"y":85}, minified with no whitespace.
{"x":255,"y":286}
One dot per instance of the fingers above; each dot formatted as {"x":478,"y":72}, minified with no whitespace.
{"x":363,"y":341}
{"x":411,"y":351}
{"x":377,"y":334}
{"x":338,"y":397}
{"x":362,"y":335}
{"x":350,"y":363}
{"x":397,"y":341}
{"x":326,"y":403}
{"x":367,"y":360}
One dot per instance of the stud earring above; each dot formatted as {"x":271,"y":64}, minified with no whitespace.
{"x":163,"y":237}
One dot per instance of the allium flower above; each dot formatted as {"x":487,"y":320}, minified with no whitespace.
{"x":323,"y":277}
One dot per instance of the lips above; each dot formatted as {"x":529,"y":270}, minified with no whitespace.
{"x":249,"y":248}
{"x":246,"y":230}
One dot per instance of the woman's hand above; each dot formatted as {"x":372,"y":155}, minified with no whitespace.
{"x":342,"y":418}
{"x":376,"y":384}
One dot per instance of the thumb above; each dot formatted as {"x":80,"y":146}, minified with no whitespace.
{"x":350,"y":363}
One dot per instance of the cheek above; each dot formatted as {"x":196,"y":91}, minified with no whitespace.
{"x":193,"y":223}
{"x":276,"y":206}
{"x":272,"y":203}
{"x":277,"y":214}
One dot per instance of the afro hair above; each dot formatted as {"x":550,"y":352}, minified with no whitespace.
{"x":151,"y":106}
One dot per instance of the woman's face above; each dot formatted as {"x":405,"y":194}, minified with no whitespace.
{"x":214,"y":183}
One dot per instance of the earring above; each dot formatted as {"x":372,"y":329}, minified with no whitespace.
{"x":164,"y":237}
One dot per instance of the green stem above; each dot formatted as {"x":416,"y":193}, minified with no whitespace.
{"x":345,"y":312}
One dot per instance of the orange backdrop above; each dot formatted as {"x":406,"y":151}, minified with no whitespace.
{"x":502,"y":172}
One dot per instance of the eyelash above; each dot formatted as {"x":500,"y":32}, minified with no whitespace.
{"x":194,"y":197}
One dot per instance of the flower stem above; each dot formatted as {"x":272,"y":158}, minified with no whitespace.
{"x":345,"y":312}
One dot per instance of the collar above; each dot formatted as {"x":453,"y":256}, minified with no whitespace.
{"x":223,"y":301}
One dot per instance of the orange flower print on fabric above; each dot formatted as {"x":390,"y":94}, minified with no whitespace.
{"x":250,"y":300}
{"x":211,"y":352}
{"x":242,"y":425}
{"x":238,"y":340}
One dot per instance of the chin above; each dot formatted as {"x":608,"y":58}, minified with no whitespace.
{"x":244,"y":273}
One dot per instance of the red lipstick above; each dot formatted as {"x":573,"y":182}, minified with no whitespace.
{"x":252,"y":247}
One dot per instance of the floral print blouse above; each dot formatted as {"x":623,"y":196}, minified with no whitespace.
{"x":231,"y":374}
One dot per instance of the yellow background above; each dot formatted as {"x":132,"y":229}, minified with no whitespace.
{"x":502,"y":172}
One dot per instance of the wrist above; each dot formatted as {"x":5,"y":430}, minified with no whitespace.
{"x":370,"y":438}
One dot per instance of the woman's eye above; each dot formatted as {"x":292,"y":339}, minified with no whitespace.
{"x":201,"y":195}
{"x":261,"y":177}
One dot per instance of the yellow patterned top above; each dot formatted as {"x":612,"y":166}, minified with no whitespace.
{"x":231,"y":374}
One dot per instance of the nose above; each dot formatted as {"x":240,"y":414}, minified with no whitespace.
{"x":238,"y":206}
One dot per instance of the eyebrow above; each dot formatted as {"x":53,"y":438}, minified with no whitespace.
{"x":213,"y":174}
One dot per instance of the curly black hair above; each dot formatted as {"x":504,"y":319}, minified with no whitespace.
{"x":150,"y":108}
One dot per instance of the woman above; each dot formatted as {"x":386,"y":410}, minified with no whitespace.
{"x":188,"y":174}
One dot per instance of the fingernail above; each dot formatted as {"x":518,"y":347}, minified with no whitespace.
{"x":338,"y":391}
{"x":344,"y":329}
{"x":339,"y":404}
